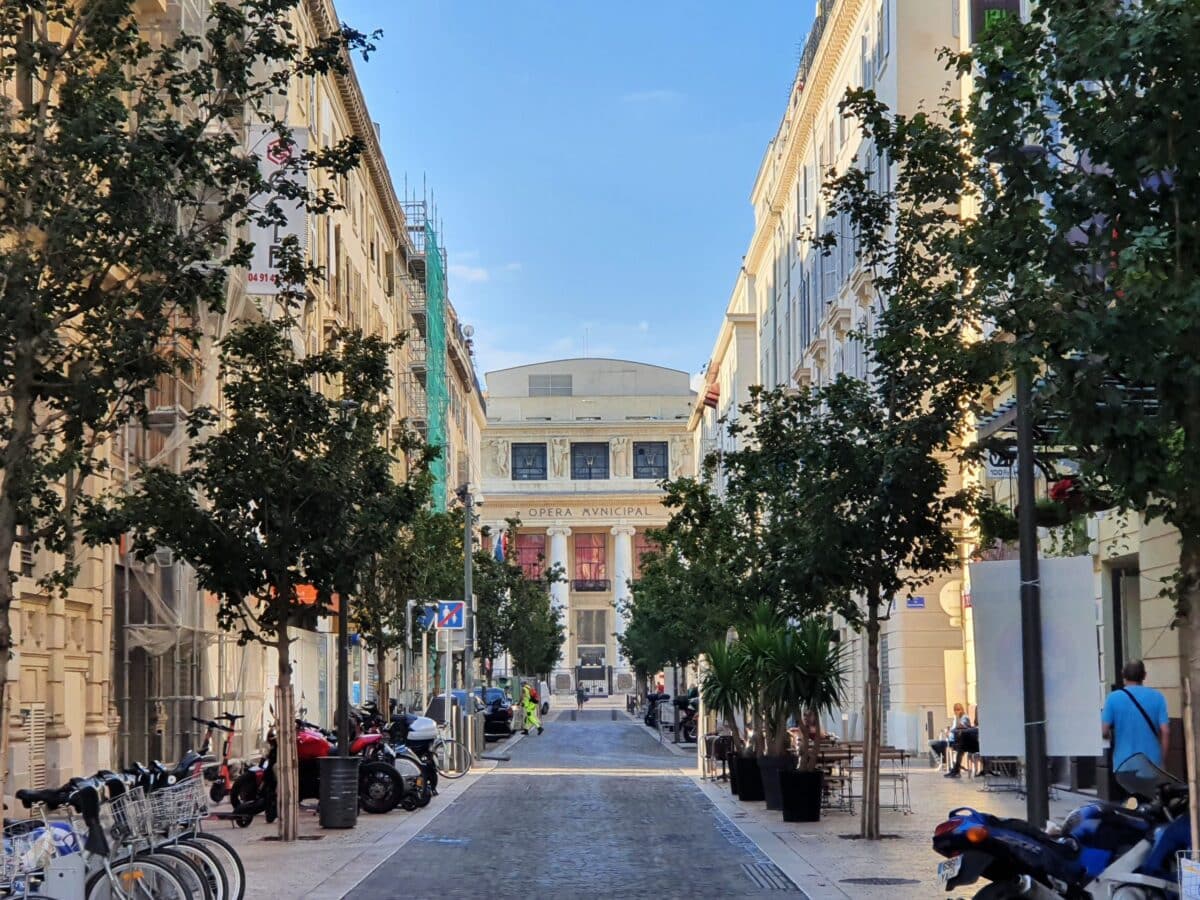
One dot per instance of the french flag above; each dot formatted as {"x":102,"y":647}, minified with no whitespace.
{"x":501,"y":546}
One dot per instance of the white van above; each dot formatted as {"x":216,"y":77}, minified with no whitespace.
{"x":543,"y":690}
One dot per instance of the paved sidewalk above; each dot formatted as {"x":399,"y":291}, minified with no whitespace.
{"x":827,"y":860}
{"x":327,"y":864}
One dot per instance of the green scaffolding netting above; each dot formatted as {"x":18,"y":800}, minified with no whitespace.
{"x":435,"y":290}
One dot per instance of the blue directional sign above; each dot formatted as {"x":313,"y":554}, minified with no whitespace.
{"x":915,"y":603}
{"x":428,"y":617}
{"x":451,"y":614}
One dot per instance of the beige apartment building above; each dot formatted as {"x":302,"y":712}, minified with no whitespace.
{"x":1133,"y":561}
{"x":576,"y":449}
{"x":114,"y":670}
{"x":793,"y":311}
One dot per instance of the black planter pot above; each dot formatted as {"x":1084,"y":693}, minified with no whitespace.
{"x":733,"y":773}
{"x":801,"y":795}
{"x":749,"y":779}
{"x":770,"y":768}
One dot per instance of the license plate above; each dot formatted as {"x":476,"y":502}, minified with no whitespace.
{"x":948,"y":869}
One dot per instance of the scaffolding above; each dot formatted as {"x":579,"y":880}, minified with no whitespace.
{"x":425,"y":382}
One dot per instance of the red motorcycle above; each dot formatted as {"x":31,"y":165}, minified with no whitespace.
{"x":380,"y":787}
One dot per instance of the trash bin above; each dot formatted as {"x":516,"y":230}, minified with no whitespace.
{"x":339,"y":791}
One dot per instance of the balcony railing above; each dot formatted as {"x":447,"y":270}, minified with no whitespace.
{"x":591,"y":584}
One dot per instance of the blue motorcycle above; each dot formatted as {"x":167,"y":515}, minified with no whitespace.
{"x":1099,"y":851}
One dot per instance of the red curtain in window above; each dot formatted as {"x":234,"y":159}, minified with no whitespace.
{"x":531,"y":554}
{"x":591,"y":562}
{"x":642,"y":544}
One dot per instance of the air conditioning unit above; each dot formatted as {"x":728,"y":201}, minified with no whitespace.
{"x":163,"y":557}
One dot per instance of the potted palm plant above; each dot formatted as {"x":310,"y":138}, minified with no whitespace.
{"x":723,"y":689}
{"x":754,"y":649}
{"x":807,"y":676}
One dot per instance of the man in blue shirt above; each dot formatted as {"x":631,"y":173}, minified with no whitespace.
{"x":1132,"y":729}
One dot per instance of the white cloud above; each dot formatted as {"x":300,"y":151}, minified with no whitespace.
{"x":472,"y":274}
{"x":653,"y":95}
{"x":643,"y":326}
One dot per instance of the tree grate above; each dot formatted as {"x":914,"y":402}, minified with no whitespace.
{"x":879,"y":881}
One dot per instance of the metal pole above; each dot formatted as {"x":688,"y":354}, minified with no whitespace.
{"x":343,"y":676}
{"x":448,"y":665}
{"x":126,"y":659}
{"x":408,"y":652}
{"x":424,"y":670}
{"x":1036,"y":775}
{"x":468,"y":595}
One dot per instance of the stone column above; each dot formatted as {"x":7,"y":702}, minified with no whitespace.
{"x":622,"y":574}
{"x":560,"y":590}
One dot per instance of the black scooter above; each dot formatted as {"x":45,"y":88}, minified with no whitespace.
{"x":652,"y":701}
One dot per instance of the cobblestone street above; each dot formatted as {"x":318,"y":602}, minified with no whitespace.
{"x":592,"y":807}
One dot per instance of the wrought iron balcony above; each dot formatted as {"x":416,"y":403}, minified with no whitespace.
{"x":591,"y":584}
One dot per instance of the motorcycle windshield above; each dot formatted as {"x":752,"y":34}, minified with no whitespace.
{"x":1140,"y":776}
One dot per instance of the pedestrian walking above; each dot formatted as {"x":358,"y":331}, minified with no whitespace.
{"x":1135,"y":718}
{"x":580,"y":697}
{"x":529,"y":702}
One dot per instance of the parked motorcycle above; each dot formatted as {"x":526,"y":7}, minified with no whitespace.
{"x":652,"y":702}
{"x":390,"y":746}
{"x":689,"y":711}
{"x":380,"y":787}
{"x":1099,"y":851}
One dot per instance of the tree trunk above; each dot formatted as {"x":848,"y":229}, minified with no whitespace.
{"x":1189,"y":602}
{"x":381,"y":690}
{"x":870,"y":802}
{"x":287,"y":779}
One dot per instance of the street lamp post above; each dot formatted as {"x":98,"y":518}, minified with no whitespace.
{"x":346,"y":417}
{"x":468,"y":594}
{"x":1037,"y":798}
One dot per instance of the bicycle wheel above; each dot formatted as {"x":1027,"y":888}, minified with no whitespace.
{"x":194,"y":879}
{"x":235,"y":872}
{"x":204,"y":857}
{"x":453,"y":759}
{"x":136,"y":879}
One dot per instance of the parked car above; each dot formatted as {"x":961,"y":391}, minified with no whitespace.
{"x":497,"y":713}
{"x":434,"y":710}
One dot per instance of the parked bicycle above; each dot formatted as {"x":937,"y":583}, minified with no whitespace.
{"x":117,"y":842}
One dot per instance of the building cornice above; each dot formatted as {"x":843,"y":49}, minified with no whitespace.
{"x":325,"y":18}
{"x":798,"y":137}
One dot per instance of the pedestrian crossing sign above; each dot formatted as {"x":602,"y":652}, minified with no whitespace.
{"x":451,"y":614}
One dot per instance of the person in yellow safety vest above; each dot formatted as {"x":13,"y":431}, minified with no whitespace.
{"x":529,"y":702}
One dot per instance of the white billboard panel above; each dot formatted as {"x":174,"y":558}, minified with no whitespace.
{"x":1070,"y":657}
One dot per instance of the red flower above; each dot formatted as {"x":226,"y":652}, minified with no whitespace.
{"x":1064,"y":491}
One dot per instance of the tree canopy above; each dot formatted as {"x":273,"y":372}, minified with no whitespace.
{"x":127,"y":188}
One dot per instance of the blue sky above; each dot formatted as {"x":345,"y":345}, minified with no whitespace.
{"x":591,"y":162}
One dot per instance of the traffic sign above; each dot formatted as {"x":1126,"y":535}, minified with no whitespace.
{"x":428,"y":617}
{"x":451,"y":614}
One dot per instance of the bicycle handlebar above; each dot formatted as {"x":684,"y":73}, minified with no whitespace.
{"x":209,"y":723}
